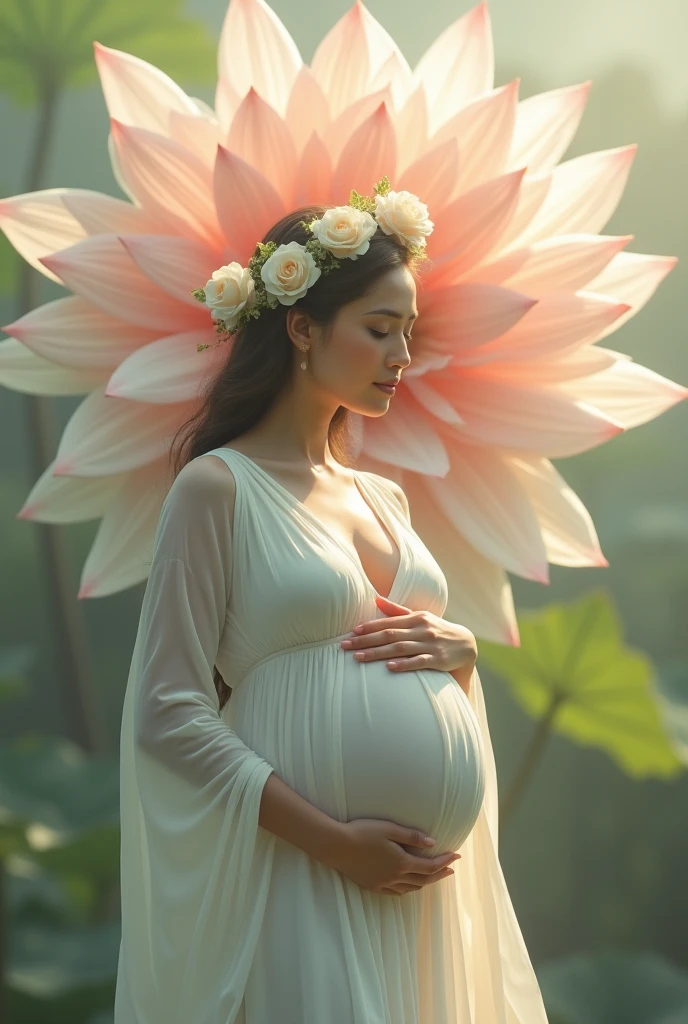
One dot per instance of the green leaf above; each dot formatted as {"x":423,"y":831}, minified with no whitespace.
{"x":46,"y":45}
{"x":572,"y":662}
{"x":606,"y":987}
{"x":672,"y":684}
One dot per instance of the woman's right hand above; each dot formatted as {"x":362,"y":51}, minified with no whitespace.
{"x":374,"y":855}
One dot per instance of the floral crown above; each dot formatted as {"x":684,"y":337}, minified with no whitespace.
{"x":235,"y":294}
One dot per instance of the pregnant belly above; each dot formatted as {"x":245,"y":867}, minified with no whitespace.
{"x":411,"y":751}
{"x":361,"y":741}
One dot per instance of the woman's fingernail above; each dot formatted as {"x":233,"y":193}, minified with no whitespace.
{"x":357,"y":629}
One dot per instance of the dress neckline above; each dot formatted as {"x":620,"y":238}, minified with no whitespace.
{"x":350,"y":550}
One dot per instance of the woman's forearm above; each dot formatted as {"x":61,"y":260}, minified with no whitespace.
{"x":291,"y":817}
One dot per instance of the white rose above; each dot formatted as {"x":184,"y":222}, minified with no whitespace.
{"x":403,"y":214}
{"x":345,"y":231}
{"x":228,"y":291}
{"x":289,"y":273}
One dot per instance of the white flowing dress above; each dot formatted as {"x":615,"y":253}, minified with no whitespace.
{"x":222,"y":921}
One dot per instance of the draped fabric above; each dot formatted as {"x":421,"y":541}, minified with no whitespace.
{"x":222,"y":921}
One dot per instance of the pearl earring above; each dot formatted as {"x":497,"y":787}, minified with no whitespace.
{"x":304,"y":364}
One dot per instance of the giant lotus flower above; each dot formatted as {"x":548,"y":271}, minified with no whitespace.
{"x":507,"y":369}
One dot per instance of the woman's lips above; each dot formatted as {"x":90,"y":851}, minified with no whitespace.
{"x":389,"y":389}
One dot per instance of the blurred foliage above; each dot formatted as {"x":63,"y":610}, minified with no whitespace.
{"x":614,"y":988}
{"x":572,"y":664}
{"x":48,"y":44}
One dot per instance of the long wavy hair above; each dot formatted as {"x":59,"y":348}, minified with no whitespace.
{"x":260,"y":358}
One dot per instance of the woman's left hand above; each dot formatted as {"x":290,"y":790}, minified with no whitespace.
{"x":413,"y":640}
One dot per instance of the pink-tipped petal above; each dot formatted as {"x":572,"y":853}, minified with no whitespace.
{"x":433,"y":176}
{"x":307,"y":110}
{"x":76,"y":334}
{"x":102,"y":271}
{"x":22,"y":370}
{"x":485,"y":502}
{"x":121,"y":553}
{"x":339,"y":131}
{"x":138,"y":93}
{"x":396,"y":75}
{"x":411,"y":124}
{"x":168,"y":181}
{"x":628,"y":393}
{"x":349,"y":58}
{"x":177,"y":265}
{"x":405,"y":437}
{"x":370,"y":152}
{"x":567,"y":529}
{"x":469,"y":226}
{"x":565,"y":262}
{"x":632,"y":277}
{"x":547,"y":421}
{"x":583,"y":195}
{"x":112,"y":435}
{"x":261,"y":137}
{"x":483,"y":132}
{"x":257,"y":52}
{"x":458,"y":66}
{"x":169,"y":369}
{"x":465,"y":316}
{"x":314,"y":177}
{"x":197,"y":135}
{"x":247,"y":204}
{"x":69,"y":499}
{"x":545,"y":125}
{"x":480,"y":595}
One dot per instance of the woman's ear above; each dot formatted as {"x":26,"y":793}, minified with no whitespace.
{"x":299,"y":327}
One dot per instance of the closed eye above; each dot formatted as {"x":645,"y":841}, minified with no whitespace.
{"x":380,"y":334}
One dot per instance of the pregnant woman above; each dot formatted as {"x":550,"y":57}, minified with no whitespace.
{"x":299,"y":717}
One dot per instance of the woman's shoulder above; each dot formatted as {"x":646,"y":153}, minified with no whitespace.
{"x":391,"y":487}
{"x":205,"y":480}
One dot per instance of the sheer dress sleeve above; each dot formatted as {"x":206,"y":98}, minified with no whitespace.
{"x":195,"y":865}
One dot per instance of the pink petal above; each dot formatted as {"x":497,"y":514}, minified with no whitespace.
{"x":469,"y":226}
{"x":567,"y":529}
{"x":137,"y":93}
{"x":121,"y":553}
{"x":112,"y":435}
{"x":628,"y":393}
{"x":22,"y":370}
{"x":560,"y":323}
{"x":431,"y":177}
{"x":369,"y":154}
{"x":486,"y":503}
{"x":464,"y":316}
{"x":314,"y":177}
{"x":256,"y":51}
{"x":395,"y":74}
{"x":632,"y":277}
{"x":411,"y":123}
{"x":307,"y":110}
{"x":198,"y":135}
{"x":458,"y":66}
{"x":405,"y":437}
{"x":168,"y":370}
{"x":565,"y":262}
{"x":432,"y":400}
{"x":261,"y":137}
{"x":350,"y":56}
{"x":545,"y":126}
{"x":69,"y":499}
{"x":101,"y":270}
{"x":532,"y":195}
{"x":480,"y":595}
{"x":546,"y":421}
{"x":557,"y":369}
{"x":73,"y":333}
{"x":339,"y":131}
{"x":483,"y":131}
{"x":177,"y":265}
{"x":40,"y":223}
{"x":584,"y":193}
{"x":168,"y":181}
{"x":247,"y":204}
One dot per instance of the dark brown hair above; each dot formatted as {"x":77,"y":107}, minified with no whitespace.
{"x":261,"y":355}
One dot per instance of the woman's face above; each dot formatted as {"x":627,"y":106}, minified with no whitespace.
{"x":368,"y":343}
